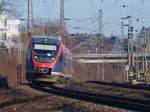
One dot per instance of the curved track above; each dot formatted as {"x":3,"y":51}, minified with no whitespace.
{"x":123,"y":85}
{"x":115,"y":101}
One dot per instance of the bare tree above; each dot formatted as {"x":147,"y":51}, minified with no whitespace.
{"x":10,"y":8}
{"x":2,"y":6}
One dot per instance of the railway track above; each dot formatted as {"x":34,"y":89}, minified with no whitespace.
{"x":123,"y":85}
{"x":110,"y":100}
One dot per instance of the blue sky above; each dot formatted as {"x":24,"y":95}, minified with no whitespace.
{"x":84,"y":13}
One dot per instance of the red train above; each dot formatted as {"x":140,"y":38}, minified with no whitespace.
{"x":48,"y":59}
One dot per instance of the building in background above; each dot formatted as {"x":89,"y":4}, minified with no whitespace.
{"x":12,"y":33}
{"x":9,"y":32}
{"x":2,"y":31}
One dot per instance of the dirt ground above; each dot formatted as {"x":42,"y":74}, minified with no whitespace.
{"x":26,"y":99}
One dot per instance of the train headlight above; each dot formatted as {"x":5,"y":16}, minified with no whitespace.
{"x":48,"y":54}
{"x":35,"y":57}
{"x":53,"y":58}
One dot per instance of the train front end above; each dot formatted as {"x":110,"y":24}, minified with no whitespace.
{"x":43,"y":61}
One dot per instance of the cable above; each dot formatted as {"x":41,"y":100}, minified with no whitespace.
{"x":137,"y":46}
{"x":113,"y":4}
{"x":51,"y":7}
{"x":82,"y":43}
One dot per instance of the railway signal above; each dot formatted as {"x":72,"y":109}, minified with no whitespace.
{"x":130,"y":60}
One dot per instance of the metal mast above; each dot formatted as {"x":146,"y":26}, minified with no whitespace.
{"x":130,"y":60}
{"x":30,"y":16}
{"x":122,"y":49}
{"x":130,"y":49}
{"x":62,"y":23}
{"x":144,"y":72}
{"x":101,"y":45}
{"x":144,"y":61}
{"x":19,"y":64}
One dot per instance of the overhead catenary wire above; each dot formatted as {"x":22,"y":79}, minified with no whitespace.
{"x":113,"y":4}
{"x":137,"y":46}
{"x":82,"y":43}
{"x":51,"y":7}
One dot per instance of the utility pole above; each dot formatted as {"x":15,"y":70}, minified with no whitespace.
{"x":130,"y":49}
{"x":100,"y":37}
{"x":130,"y":54}
{"x":30,"y":16}
{"x":122,"y":64}
{"x":144,"y":72}
{"x":19,"y":65}
{"x":62,"y":23}
{"x":145,"y":56}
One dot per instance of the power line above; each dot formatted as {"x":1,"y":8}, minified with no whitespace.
{"x":51,"y":7}
{"x":113,"y":4}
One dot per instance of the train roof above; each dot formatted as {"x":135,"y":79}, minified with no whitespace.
{"x":45,"y":39}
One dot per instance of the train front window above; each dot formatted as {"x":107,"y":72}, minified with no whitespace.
{"x":44,"y":53}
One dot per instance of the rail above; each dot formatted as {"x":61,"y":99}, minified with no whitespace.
{"x":110,"y":100}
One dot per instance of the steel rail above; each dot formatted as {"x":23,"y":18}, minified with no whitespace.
{"x":122,"y":85}
{"x":109,"y":100}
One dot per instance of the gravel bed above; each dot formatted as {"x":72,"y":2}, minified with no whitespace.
{"x":48,"y":103}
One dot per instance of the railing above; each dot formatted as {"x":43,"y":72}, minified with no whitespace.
{"x":80,"y":56}
{"x":107,"y":58}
